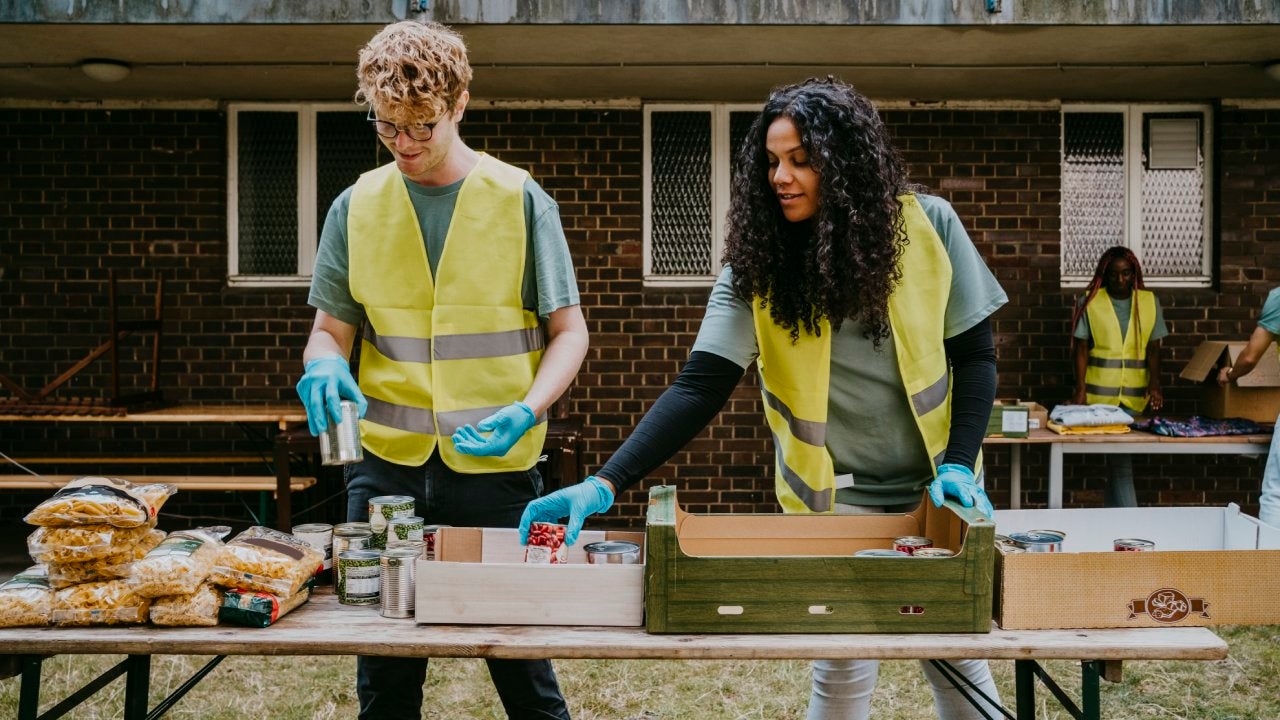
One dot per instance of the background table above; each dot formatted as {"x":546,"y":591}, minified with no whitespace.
{"x":1135,"y":442}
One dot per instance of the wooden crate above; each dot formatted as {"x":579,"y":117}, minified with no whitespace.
{"x":763,"y":573}
{"x":1212,"y":566}
{"x":480,"y":577}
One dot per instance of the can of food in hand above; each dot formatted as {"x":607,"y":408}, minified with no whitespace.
{"x":1042,"y":541}
{"x":612,"y":552}
{"x":359,"y":577}
{"x":320,"y":537}
{"x":933,"y":552}
{"x":404,"y":528}
{"x":349,"y":536}
{"x":382,"y":509}
{"x":398,"y":575}
{"x":910,"y":543}
{"x":881,"y":552}
{"x":340,"y":442}
{"x":429,"y":537}
{"x":1132,"y":545}
{"x":546,"y":544}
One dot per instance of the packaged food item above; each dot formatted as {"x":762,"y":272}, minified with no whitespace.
{"x":82,"y":543}
{"x":111,"y":567}
{"x":616,"y":552}
{"x":267,"y":560}
{"x":26,"y":599}
{"x":99,"y":603}
{"x":359,"y":577}
{"x":909,"y":544}
{"x":546,"y":544}
{"x":881,"y":552}
{"x":258,"y":609}
{"x":179,"y":564}
{"x":198,"y":609}
{"x":382,"y":509}
{"x":320,"y":537}
{"x":1039,"y":541}
{"x":102,"y":501}
{"x":349,"y":536}
{"x":1132,"y":545}
{"x":933,"y":552}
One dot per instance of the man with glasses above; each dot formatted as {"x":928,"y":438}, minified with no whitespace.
{"x":456,"y":267}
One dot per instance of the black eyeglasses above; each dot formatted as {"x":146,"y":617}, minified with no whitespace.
{"x":389,"y":130}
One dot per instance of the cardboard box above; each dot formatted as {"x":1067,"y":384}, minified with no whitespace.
{"x":764,"y":573}
{"x":1211,"y":566}
{"x":1011,"y":417}
{"x":1255,"y":396}
{"x":479,"y":577}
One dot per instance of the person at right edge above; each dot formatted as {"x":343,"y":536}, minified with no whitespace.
{"x":1117,"y":327}
{"x":1267,"y":332}
{"x":865,"y":307}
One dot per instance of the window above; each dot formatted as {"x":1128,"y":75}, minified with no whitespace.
{"x":1138,"y":176}
{"x":286,"y":164}
{"x":688,"y":162}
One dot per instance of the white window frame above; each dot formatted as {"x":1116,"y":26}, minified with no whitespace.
{"x":1134,"y":113}
{"x":308,"y":232}
{"x":721,"y":154}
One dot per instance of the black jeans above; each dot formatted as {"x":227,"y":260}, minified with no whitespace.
{"x":391,"y":688}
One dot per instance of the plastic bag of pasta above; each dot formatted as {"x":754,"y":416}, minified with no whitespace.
{"x":268,"y":560}
{"x":198,"y":609}
{"x":111,"y":567}
{"x":179,"y":564}
{"x":102,"y":501}
{"x":99,"y":603}
{"x":26,"y":598}
{"x":81,"y":543}
{"x":258,"y":609}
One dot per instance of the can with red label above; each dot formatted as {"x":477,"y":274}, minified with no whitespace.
{"x":1132,"y":545}
{"x":429,"y":537}
{"x":546,"y":544}
{"x":909,"y":544}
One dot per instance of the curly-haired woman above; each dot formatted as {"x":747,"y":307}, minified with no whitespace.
{"x":865,"y":307}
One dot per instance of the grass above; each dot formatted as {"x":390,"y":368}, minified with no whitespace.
{"x":1245,"y":686}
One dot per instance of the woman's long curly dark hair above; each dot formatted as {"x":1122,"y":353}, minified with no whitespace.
{"x":843,"y":262}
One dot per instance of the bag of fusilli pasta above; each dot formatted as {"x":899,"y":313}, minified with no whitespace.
{"x":102,"y":501}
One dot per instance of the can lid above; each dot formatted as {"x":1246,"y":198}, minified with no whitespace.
{"x":433,"y":528}
{"x":358,"y":555}
{"x":401,"y":552}
{"x":312,"y":528}
{"x":933,"y":552}
{"x":611,"y":547}
{"x":1039,"y":537}
{"x":353,"y":526}
{"x":391,"y":499}
{"x":352,"y":532}
{"x":880,"y":552}
{"x":410,"y":520}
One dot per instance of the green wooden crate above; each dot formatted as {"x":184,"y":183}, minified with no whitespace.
{"x":796,"y":573}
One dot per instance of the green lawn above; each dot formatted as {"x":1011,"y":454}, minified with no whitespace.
{"x":1245,"y":686}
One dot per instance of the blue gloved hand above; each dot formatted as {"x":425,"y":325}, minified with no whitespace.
{"x":957,"y":481}
{"x":506,"y":427}
{"x":575,"y":502}
{"x":326,"y":382}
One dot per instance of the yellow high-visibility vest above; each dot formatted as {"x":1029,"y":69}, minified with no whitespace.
{"x":437,"y":355}
{"x":795,"y":379}
{"x":1117,"y":370}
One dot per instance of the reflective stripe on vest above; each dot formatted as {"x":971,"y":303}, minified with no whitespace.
{"x":1117,"y":370}
{"x":795,"y":378}
{"x":442,"y":352}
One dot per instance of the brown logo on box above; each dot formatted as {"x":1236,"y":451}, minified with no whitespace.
{"x":1168,"y":605}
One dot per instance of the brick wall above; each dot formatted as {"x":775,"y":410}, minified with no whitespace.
{"x":142,"y":192}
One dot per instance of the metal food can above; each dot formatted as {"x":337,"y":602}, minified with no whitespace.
{"x":933,"y":552}
{"x":1010,"y":549}
{"x":359,"y":577}
{"x":382,"y":509}
{"x":418,"y":546}
{"x":404,"y":528}
{"x":398,"y":572}
{"x":1043,"y":541}
{"x":546,"y":544}
{"x":429,"y":537}
{"x":615,"y":552}
{"x":910,"y":543}
{"x":349,"y":536}
{"x":340,"y":442}
{"x":881,"y":552}
{"x":320,"y":537}
{"x":1132,"y":545}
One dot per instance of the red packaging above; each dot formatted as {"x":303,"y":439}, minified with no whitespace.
{"x":909,"y":544}
{"x":546,"y":544}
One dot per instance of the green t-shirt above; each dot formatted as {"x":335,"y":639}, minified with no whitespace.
{"x":871,"y":432}
{"x":1123,"y":308}
{"x":549,"y":282}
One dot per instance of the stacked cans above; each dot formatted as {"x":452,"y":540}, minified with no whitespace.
{"x":320,"y":537}
{"x":359,"y":578}
{"x":398,"y":567}
{"x":349,"y":536}
{"x":385,"y":508}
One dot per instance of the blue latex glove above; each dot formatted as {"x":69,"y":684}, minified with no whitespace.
{"x":505,"y":429}
{"x":326,"y":382}
{"x":575,"y":502}
{"x":957,"y":481}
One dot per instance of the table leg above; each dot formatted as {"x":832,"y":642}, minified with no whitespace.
{"x":137,"y":687}
{"x":29,"y":694}
{"x":1055,"y":476}
{"x":284,"y":496}
{"x":1025,"y":689}
{"x":1015,"y":476}
{"x":1090,"y":670}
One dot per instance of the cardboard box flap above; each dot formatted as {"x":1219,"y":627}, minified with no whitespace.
{"x":1204,"y":361}
{"x":1265,"y":374}
{"x":1210,"y":355}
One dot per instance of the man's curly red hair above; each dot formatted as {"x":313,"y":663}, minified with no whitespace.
{"x":412,"y":72}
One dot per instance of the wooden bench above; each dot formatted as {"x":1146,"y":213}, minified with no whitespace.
{"x":263,"y":483}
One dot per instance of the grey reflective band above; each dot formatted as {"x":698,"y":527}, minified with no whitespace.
{"x":815,"y":500}
{"x":454,"y":419}
{"x":487,"y":345}
{"x":932,"y":397}
{"x":1114,"y":391}
{"x":806,"y":431}
{"x":940,"y":459}
{"x":400,"y":417}
{"x":1117,"y":364}
{"x":400,"y":349}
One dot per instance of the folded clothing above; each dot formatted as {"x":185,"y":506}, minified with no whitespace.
{"x":1090,"y":415}
{"x":1088,"y":429}
{"x":1197,"y":426}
